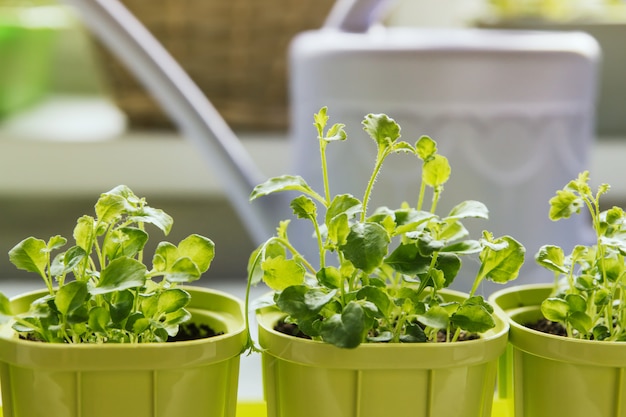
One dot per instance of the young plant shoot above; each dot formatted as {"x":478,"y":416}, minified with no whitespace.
{"x":111,"y":296}
{"x":589,"y":299}
{"x":389,"y":265}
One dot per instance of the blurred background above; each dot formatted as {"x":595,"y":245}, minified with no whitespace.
{"x":74,"y":123}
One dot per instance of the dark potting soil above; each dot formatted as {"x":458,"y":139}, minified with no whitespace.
{"x":292,"y":329}
{"x":193,"y":331}
{"x":549,"y":327}
{"x":187,"y":331}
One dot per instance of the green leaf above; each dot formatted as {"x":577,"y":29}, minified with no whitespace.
{"x":345,"y":330}
{"x":413,"y":334}
{"x":284,"y":183}
{"x":165,"y":255}
{"x":120,"y":305}
{"x":154,"y":216}
{"x":469,"y":209}
{"x":172,"y":300}
{"x":378,"y":297}
{"x":304,"y":207}
{"x":320,"y":119}
{"x":343,"y":204}
{"x":302,"y":302}
{"x":383,"y":129}
{"x":183,"y":270}
{"x":269,"y":249}
{"x":99,"y":318}
{"x":338,"y":229}
{"x":580,"y":321}
{"x":473,"y":318}
{"x":449,"y":264}
{"x":330,"y":277}
{"x":335,"y":133}
{"x":66,"y":261}
{"x":316,"y":299}
{"x":576,"y":303}
{"x":436,"y":171}
{"x":280,"y":273}
{"x":502,"y":264}
{"x":466,"y":247}
{"x":85,"y":232}
{"x":140,"y":325}
{"x":30,"y":255}
{"x":199,"y":249}
{"x":120,"y":274}
{"x":125,"y":241}
{"x":555,"y":309}
{"x":5,"y":308}
{"x":552,"y":258}
{"x":71,"y":296}
{"x":366,"y":246}
{"x":564,"y":204}
{"x":406,"y":259}
{"x":435,"y":317}
{"x":425,"y":148}
{"x":184,"y":263}
{"x":110,"y":207}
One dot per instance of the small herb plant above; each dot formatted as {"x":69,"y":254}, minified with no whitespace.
{"x":388,"y":265}
{"x":589,"y":298}
{"x":113,"y":297}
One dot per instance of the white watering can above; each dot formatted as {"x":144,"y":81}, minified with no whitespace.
{"x":358,"y":53}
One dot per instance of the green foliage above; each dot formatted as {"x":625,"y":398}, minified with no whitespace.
{"x":389,"y":267}
{"x":112,"y":296}
{"x":589,"y":298}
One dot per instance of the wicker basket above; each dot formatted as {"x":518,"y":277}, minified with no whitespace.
{"x":235,"y":50}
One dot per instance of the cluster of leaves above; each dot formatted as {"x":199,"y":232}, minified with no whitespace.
{"x":113,"y":297}
{"x":589,"y":298}
{"x":390,"y":266}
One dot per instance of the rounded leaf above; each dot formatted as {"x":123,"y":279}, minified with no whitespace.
{"x":280,"y":273}
{"x":172,"y":300}
{"x":199,"y":249}
{"x":366,"y":246}
{"x":71,"y":296}
{"x":121,"y":274}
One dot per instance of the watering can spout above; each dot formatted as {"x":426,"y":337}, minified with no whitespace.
{"x":189,"y":109}
{"x":356,"y":15}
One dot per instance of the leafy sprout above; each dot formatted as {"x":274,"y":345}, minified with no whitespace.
{"x":389,"y":265}
{"x":99,"y":289}
{"x":588,"y":299}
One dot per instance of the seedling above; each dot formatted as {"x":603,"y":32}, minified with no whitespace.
{"x":99,"y":289}
{"x":388,"y":266}
{"x":589,"y":299}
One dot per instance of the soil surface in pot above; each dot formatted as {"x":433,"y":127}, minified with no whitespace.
{"x":292,"y":329}
{"x":188,"y":331}
{"x":549,"y":327}
{"x":193,"y":331}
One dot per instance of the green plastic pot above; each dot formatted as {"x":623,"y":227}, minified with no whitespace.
{"x":191,"y":378}
{"x":307,"y":378}
{"x":547,"y":375}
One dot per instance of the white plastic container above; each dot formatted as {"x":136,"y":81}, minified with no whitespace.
{"x":512,"y":110}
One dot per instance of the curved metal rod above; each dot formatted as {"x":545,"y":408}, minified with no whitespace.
{"x":187,"y":106}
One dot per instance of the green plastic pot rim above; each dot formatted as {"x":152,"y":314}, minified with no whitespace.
{"x":136,"y":356}
{"x":553,"y":347}
{"x":382,"y":355}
